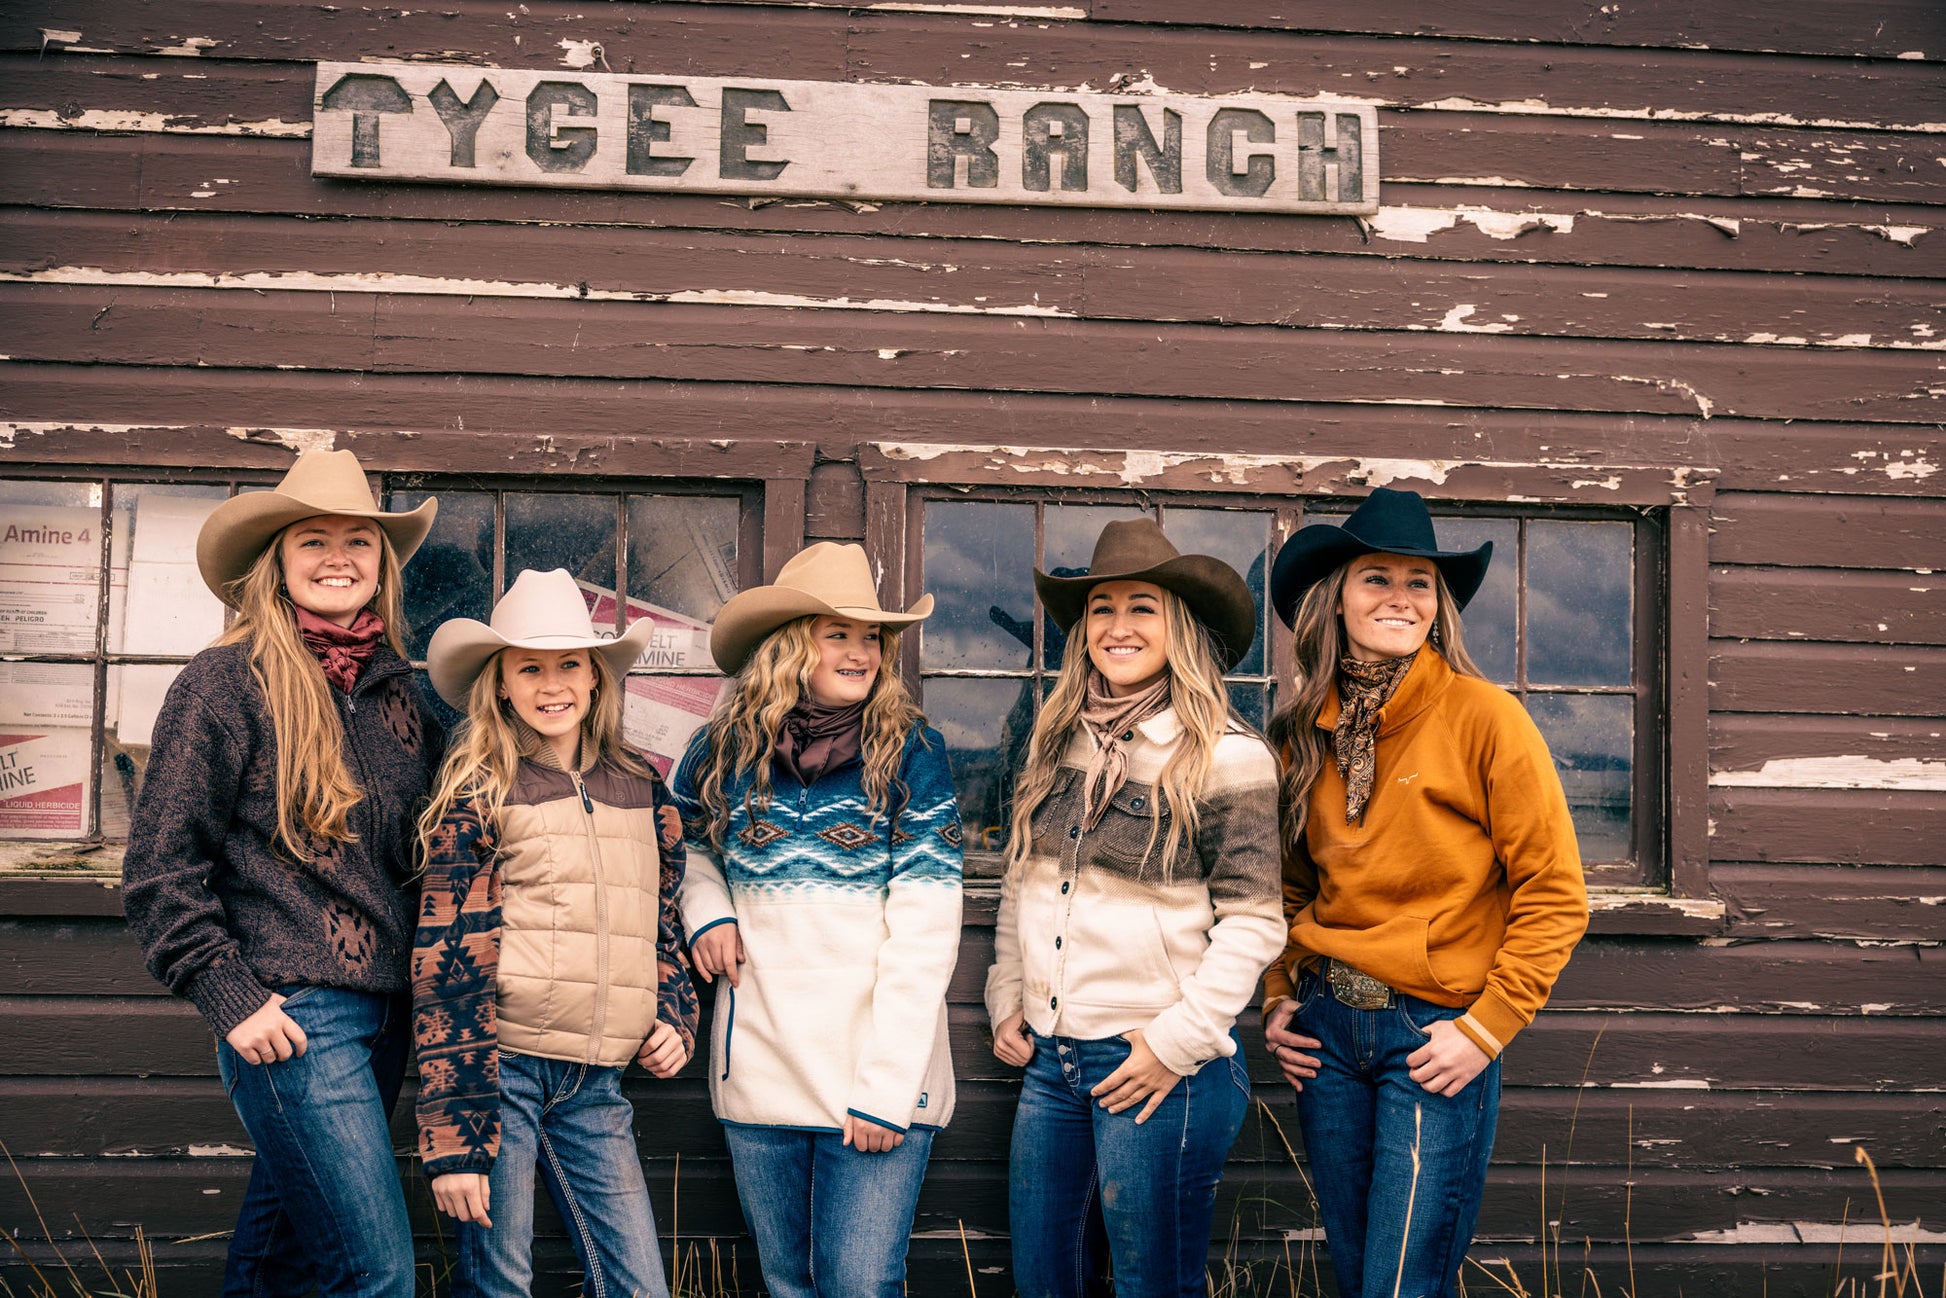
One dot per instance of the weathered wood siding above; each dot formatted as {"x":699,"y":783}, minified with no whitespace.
{"x":1677,"y":255}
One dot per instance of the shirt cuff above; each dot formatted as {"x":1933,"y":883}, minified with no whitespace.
{"x":227,"y":993}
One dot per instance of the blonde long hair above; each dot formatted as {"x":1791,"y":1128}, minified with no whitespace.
{"x":1202,"y":705}
{"x":1318,"y":636}
{"x":743,"y":727}
{"x":484,"y":756}
{"x":315,"y":790}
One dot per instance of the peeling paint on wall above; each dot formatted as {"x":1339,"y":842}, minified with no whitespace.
{"x":1848,"y":772}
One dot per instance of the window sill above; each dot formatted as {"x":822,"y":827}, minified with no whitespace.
{"x":59,"y":879}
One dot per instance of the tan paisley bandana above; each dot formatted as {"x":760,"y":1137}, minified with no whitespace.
{"x":1113,"y":721}
{"x":1363,"y":689}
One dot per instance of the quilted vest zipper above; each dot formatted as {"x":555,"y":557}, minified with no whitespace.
{"x":598,"y":1026}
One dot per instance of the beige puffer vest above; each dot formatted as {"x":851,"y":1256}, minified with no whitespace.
{"x":579,"y":873}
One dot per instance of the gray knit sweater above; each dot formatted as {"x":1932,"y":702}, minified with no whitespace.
{"x":223,"y":918}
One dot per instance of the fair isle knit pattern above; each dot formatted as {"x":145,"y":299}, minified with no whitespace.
{"x":851,"y":925}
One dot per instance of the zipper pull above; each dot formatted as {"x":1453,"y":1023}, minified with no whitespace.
{"x":587,"y":803}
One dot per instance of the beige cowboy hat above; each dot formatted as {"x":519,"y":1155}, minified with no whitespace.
{"x":827,"y":578}
{"x":321,"y":482}
{"x":1135,"y":549}
{"x":542,"y":610}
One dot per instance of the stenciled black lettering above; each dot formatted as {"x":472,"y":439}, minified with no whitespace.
{"x":645,"y":130}
{"x":1049,"y":131}
{"x":560,"y":148}
{"x":1312,"y":155}
{"x":366,"y":96}
{"x":961,"y":128}
{"x":1224,"y":126}
{"x":1134,"y":139}
{"x":739,"y":134}
{"x":463,"y":118}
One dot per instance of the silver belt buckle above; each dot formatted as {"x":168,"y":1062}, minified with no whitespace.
{"x":1359,"y":991}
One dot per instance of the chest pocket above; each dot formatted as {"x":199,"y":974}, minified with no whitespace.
{"x":1058,"y":813}
{"x":1131,"y":838}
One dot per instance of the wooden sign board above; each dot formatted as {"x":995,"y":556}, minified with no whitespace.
{"x":829,"y":139}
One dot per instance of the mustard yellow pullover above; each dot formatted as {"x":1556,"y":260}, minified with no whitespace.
{"x":1463,"y":885}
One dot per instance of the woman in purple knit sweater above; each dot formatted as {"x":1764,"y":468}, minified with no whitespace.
{"x":270,"y":871}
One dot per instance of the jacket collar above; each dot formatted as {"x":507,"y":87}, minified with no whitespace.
{"x":534,"y":747}
{"x":1424,"y":682}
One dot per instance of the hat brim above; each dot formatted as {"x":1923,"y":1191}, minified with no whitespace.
{"x":237,"y":531}
{"x":743,"y":622}
{"x":462,"y":647}
{"x":1320,"y":549}
{"x":1214,"y":591}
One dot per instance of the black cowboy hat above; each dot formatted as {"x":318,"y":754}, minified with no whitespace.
{"x":1387,"y":522}
{"x":1135,"y":549}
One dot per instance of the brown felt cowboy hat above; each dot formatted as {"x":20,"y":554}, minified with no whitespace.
{"x":1136,"y":550}
{"x":321,"y":482}
{"x":541,"y":610}
{"x":826,"y":579}
{"x":1386,"y":522}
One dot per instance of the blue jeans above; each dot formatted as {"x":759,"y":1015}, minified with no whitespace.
{"x":572,"y":1121}
{"x":1156,"y":1182}
{"x":1391,"y":1227}
{"x":829,"y":1221}
{"x":321,"y":1122}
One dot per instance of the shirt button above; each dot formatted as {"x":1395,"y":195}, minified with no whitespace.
{"x":1057,"y":944}
{"x":1074,"y":831}
{"x":1127,"y":735}
{"x":1064,"y":889}
{"x":1136,"y":803}
{"x":1053,"y":1002}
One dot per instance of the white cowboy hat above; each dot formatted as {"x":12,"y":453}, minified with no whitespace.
{"x":542,"y":610}
{"x":827,"y":578}
{"x":321,"y":482}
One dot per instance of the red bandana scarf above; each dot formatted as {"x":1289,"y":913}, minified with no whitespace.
{"x":342,"y":651}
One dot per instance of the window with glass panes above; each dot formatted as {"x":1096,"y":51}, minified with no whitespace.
{"x":1568,"y":620}
{"x":674,"y":554}
{"x":101,"y":604}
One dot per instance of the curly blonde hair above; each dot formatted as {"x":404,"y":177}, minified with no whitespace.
{"x":742,"y":727}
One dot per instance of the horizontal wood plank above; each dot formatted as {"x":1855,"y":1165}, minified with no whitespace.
{"x":1778,"y":676}
{"x":1836,"y":826}
{"x":679,"y":342}
{"x":974,"y":277}
{"x":1767,"y":603}
{"x":1822,"y":532}
{"x":1891,"y":903}
{"x":1809,"y":749}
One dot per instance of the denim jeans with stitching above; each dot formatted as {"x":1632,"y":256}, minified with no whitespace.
{"x":1155,"y":1183}
{"x":572,"y":1121}
{"x":324,"y":1201}
{"x":1399,"y":1171}
{"x":829,"y":1221}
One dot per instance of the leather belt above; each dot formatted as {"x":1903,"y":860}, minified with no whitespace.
{"x":1356,"y":990}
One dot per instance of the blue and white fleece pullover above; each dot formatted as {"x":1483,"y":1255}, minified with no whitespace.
{"x":851,"y":928}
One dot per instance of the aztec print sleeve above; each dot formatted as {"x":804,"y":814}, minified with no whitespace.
{"x":704,"y":899}
{"x":676,"y":993}
{"x":922,"y":921}
{"x":455,"y":957}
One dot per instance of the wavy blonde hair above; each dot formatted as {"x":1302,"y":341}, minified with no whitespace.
{"x":1202,"y":704}
{"x":1318,"y":635}
{"x":315,"y":790}
{"x":743,"y":727}
{"x":484,"y":756}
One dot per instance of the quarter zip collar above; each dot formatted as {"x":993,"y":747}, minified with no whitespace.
{"x":1424,"y":682}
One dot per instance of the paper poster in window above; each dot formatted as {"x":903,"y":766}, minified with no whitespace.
{"x":659,"y":714}
{"x":50,"y":564}
{"x":44,"y":784}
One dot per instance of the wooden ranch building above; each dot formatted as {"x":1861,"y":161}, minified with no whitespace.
{"x":1649,"y":293}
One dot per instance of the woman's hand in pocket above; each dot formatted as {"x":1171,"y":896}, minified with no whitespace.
{"x":1448,"y":1062}
{"x":269,"y":1036}
{"x":464,"y":1196}
{"x":1141,"y":1079}
{"x":1288,"y":1047}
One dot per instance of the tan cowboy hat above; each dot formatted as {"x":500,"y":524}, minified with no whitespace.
{"x":542,"y":610}
{"x":1135,"y":549}
{"x":321,"y":482}
{"x":827,"y":578}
